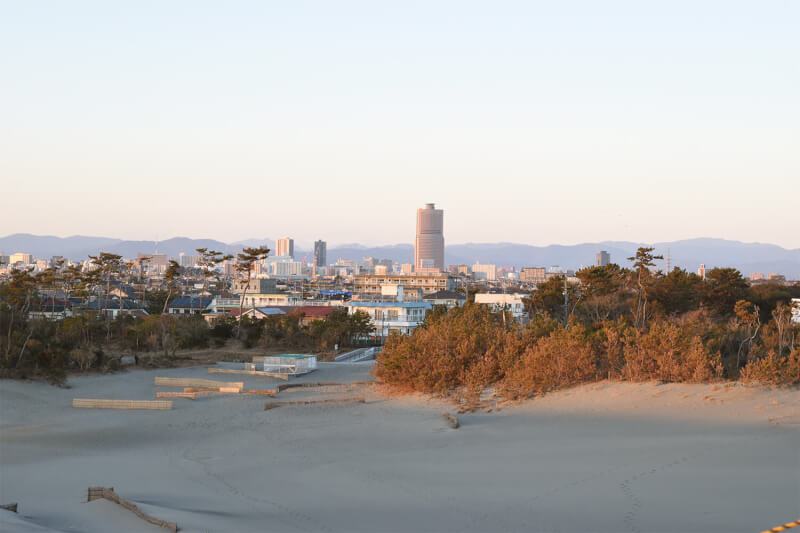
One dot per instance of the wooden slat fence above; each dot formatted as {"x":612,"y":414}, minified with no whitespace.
{"x":95,"y":493}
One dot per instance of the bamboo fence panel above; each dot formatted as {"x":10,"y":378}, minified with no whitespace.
{"x":313,"y":384}
{"x":264,"y":392}
{"x":273,"y":405}
{"x":201,"y":383}
{"x":189,"y":395}
{"x":284,"y":377}
{"x":158,"y":405}
{"x":224,"y":390}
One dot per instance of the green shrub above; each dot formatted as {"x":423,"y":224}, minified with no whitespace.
{"x":191,"y":332}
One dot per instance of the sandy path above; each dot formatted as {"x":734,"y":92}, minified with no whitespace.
{"x":605,"y":457}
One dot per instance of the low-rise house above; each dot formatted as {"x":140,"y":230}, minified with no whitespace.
{"x":52,"y":309}
{"x":212,"y":316}
{"x":224,"y":305}
{"x":449,"y":299}
{"x":257,"y":312}
{"x":400,"y":317}
{"x":509,"y":302}
{"x":272,"y":300}
{"x":126,"y":292}
{"x":311,"y":313}
{"x":188,"y":305}
{"x":112,"y":307}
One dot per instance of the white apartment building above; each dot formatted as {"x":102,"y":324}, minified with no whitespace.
{"x":498,"y":302}
{"x":796,"y":310}
{"x":402,"y":317}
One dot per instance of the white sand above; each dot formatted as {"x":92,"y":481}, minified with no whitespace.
{"x":605,"y":457}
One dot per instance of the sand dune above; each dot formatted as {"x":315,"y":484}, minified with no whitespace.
{"x":603,"y":457}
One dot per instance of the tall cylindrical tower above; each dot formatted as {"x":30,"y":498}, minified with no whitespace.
{"x":429,"y":245}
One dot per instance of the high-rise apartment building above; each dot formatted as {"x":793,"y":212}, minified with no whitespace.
{"x":285,"y":247}
{"x":603,"y":258}
{"x":320,"y":253}
{"x":702,"y":272}
{"x":429,"y":244}
{"x":188,"y":261}
{"x":287,"y":268}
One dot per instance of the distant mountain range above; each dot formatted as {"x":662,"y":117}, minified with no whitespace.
{"x":689,"y":254}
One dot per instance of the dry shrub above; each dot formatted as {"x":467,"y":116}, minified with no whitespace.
{"x":563,"y":358}
{"x":669,"y":353}
{"x":490,"y":368}
{"x":462,"y":352}
{"x":609,"y":345}
{"x":773,"y":369}
{"x":445,"y":354}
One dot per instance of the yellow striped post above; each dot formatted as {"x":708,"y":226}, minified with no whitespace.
{"x":784,"y":527}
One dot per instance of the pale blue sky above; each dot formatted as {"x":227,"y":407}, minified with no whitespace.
{"x":531,"y":122}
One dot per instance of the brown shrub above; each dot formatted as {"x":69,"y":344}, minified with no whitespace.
{"x":609,"y":344}
{"x":669,"y":352}
{"x":563,"y":358}
{"x":773,"y":369}
{"x":456,"y":349}
{"x":464,"y":351}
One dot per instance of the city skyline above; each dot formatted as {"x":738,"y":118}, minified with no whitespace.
{"x":307,"y":245}
{"x":534,"y":123}
{"x":748,"y":258}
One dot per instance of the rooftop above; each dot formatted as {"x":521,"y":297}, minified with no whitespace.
{"x":445,"y":295}
{"x":196,"y":302}
{"x":425,"y":305}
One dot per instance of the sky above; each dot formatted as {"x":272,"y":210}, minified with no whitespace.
{"x":528,"y":122}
